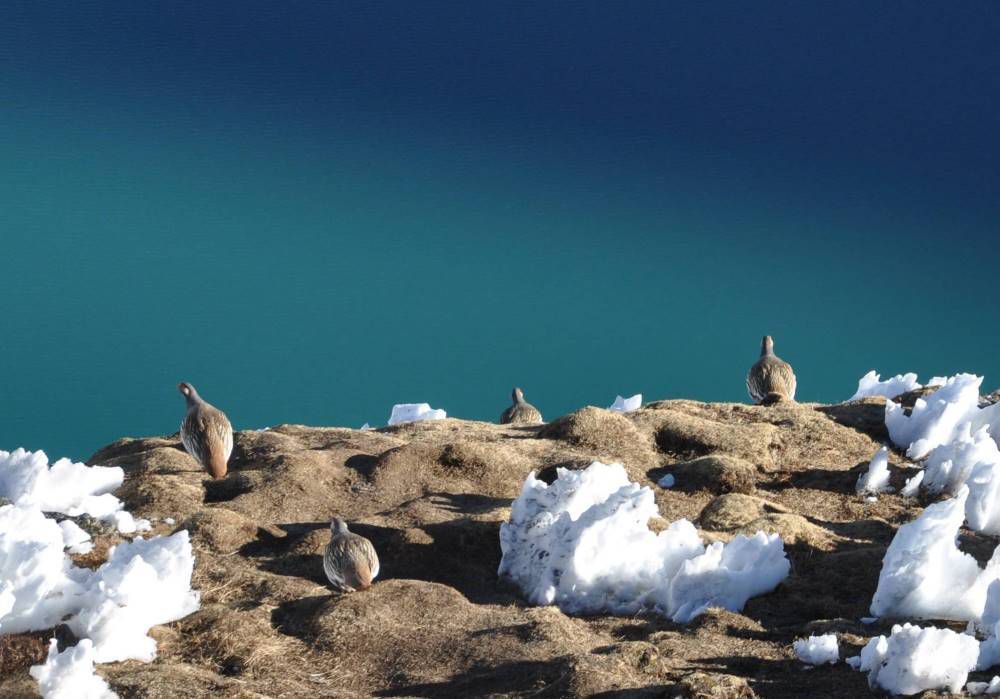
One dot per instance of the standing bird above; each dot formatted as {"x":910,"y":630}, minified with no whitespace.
{"x":206,"y":433}
{"x":521,"y":413}
{"x":771,"y":378}
{"x":350,"y":561}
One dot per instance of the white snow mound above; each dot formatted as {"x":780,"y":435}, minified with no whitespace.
{"x":924,"y":574}
{"x":70,"y":674}
{"x":27,"y":479}
{"x":414,"y":412}
{"x":876,"y":479}
{"x":869,"y":385}
{"x":626,"y":405}
{"x":913,"y":660}
{"x":938,"y":418}
{"x":583,"y":544}
{"x":142,"y":584}
{"x":38,"y":582}
{"x":818,"y":650}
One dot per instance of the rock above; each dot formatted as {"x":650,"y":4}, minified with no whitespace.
{"x":716,"y":473}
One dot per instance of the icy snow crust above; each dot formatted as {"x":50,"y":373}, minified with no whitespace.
{"x":818,"y":650}
{"x":924,"y":574}
{"x":913,"y":660}
{"x":65,"y":487}
{"x":869,"y":385}
{"x":414,"y":412}
{"x":143,"y":583}
{"x":583,"y":544}
{"x":70,"y":674}
{"x":626,"y":405}
{"x":876,"y":479}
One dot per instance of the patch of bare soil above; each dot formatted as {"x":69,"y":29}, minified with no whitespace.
{"x":431,"y":496}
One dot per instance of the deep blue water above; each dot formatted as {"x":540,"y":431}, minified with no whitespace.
{"x":314,"y":210}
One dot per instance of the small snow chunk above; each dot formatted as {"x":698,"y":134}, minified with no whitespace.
{"x":818,"y":650}
{"x":869,"y":385}
{"x":924,"y":574}
{"x":876,"y":478}
{"x":70,"y":674}
{"x":169,"y":520}
{"x":626,"y":405}
{"x":667,"y":481}
{"x":868,"y":620}
{"x":934,"y":420}
{"x":142,"y":584}
{"x":39,"y":584}
{"x":913,"y":660}
{"x":583,"y":544}
{"x":979,"y":688}
{"x":366,"y":428}
{"x":871,"y":498}
{"x":26,"y":478}
{"x":414,"y":412}
{"x":74,"y":538}
{"x":912,"y":486}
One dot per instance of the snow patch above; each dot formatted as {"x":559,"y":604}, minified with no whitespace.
{"x":75,"y":539}
{"x":876,"y":479}
{"x":70,"y":674}
{"x":583,"y":544}
{"x":915,"y":659}
{"x":818,"y":650}
{"x":414,"y":412}
{"x":924,"y":574}
{"x":626,"y":405}
{"x":869,"y":385}
{"x":937,"y":419}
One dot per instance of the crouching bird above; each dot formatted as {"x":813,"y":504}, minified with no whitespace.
{"x":206,"y":433}
{"x":350,"y":561}
{"x":771,"y":378}
{"x":521,"y":412}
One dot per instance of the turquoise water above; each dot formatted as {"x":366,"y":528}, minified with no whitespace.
{"x":313,"y":216}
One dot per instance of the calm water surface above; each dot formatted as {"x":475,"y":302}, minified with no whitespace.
{"x":315,"y":212}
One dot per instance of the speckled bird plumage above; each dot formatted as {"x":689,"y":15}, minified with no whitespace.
{"x":350,"y":561}
{"x":770,"y":375}
{"x":206,"y":433}
{"x":521,"y":412}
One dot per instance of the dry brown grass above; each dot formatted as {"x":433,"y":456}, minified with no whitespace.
{"x":431,"y":497}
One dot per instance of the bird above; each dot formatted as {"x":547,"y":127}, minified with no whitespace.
{"x":206,"y":433}
{"x":771,"y":378}
{"x":521,"y":412}
{"x":350,"y":561}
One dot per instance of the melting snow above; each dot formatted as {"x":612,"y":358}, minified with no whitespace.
{"x":583,"y":544}
{"x":924,"y":574}
{"x":869,"y":385}
{"x":143,"y":583}
{"x":626,"y":405}
{"x":818,"y":650}
{"x":876,"y":479}
{"x":913,"y":660}
{"x":414,"y":412}
{"x":26,"y":478}
{"x":70,"y":674}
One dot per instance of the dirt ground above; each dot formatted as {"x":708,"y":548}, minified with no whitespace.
{"x":431,"y":497}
